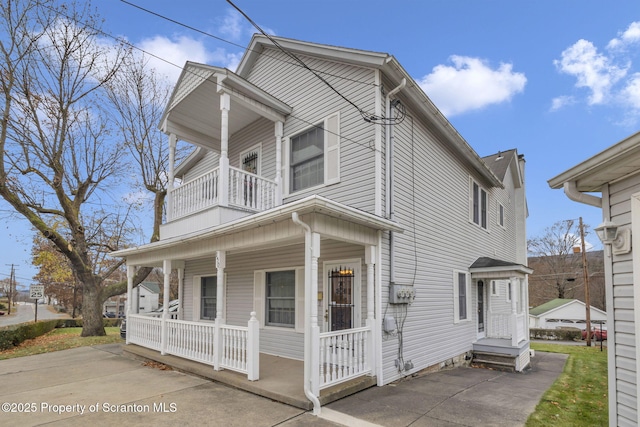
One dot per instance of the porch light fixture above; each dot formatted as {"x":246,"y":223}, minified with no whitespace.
{"x":610,"y":233}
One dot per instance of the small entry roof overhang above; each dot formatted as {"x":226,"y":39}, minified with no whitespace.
{"x":490,"y":268}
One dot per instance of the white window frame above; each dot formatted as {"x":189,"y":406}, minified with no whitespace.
{"x":472,"y":206}
{"x":197,"y":294}
{"x":495,"y":288}
{"x":331,"y":125}
{"x":509,"y":291}
{"x":500,"y":215}
{"x":260,"y":302}
{"x":456,"y":296}
{"x":257,"y":148}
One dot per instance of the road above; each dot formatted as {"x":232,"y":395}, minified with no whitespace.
{"x":26,"y":313}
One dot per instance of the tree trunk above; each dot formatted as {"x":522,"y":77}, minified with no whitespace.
{"x":92,"y":324}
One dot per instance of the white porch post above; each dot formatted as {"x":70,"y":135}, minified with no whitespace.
{"x":489,"y":320}
{"x":253,"y":348}
{"x":221,"y":262}
{"x":130,"y":273}
{"x":312,"y":299}
{"x":223,"y":179}
{"x":180,"y":292}
{"x":166,"y":269}
{"x":370,"y":261}
{"x":279,"y":132}
{"x":172,"y":163}
{"x":514,"y":312}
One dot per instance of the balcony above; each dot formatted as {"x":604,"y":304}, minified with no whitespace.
{"x":210,"y":200}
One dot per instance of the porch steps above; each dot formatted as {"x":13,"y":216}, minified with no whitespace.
{"x":281,"y":379}
{"x":496,"y":361}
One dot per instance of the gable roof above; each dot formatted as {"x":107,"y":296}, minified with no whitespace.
{"x":504,"y":161}
{"x":153,"y":287}
{"x":550,"y":305}
{"x":392,"y":69}
{"x":485,"y":267}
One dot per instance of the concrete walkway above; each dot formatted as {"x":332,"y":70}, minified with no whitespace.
{"x":99,"y":386}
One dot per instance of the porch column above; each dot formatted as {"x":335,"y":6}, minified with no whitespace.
{"x":221,"y":262}
{"x":172,"y":163}
{"x":130,"y":273}
{"x":312,"y":299}
{"x":279,"y":132}
{"x":223,"y":178}
{"x":180,"y":292}
{"x":166,"y":269}
{"x":489,"y":320}
{"x":514,"y":312}
{"x":370,"y":261}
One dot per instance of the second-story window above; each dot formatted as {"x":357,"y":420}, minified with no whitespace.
{"x":479,"y":202}
{"x":313,"y":157}
{"x":307,"y":159}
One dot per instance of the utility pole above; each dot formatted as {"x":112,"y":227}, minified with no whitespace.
{"x":585,"y":272}
{"x":11,"y":285}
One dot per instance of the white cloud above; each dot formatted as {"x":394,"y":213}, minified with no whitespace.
{"x":629,"y":36}
{"x":591,"y":69}
{"x":631,"y":92}
{"x":232,"y":25}
{"x":170,"y":55}
{"x":471,"y":84}
{"x":561,"y":102}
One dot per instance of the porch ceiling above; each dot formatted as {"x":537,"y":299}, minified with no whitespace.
{"x":193,"y":113}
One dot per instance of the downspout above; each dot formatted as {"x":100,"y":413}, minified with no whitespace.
{"x":308,"y":307}
{"x":571,"y":190}
{"x":389,"y":177}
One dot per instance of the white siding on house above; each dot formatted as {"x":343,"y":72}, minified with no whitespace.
{"x":624,"y":339}
{"x":239,"y":274}
{"x":209,"y":162}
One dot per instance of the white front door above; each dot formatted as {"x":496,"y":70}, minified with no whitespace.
{"x":482,"y":314}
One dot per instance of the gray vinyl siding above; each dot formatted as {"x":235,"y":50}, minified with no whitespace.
{"x":312,"y":101}
{"x":626,"y":383}
{"x":209,"y":162}
{"x":432,"y":204}
{"x":239,"y":274}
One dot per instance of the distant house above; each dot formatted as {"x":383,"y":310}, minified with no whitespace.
{"x":368,"y":242}
{"x":144,"y":298}
{"x":615,"y":174}
{"x":563,"y":312}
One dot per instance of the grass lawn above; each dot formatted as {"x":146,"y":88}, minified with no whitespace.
{"x":60,"y":339}
{"x":579,"y":395}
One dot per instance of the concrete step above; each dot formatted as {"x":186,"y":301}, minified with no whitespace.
{"x":500,"y":362}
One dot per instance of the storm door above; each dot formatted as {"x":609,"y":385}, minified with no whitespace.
{"x":481,"y":316}
{"x":341,"y":290}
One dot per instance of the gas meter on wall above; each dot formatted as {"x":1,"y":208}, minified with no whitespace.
{"x":401,"y":294}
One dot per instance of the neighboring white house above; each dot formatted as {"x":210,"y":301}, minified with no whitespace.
{"x":145,"y":298}
{"x":331,"y":214}
{"x":614,"y":173}
{"x":563,"y":312}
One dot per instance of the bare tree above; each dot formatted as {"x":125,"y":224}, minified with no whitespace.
{"x":557,"y":265}
{"x":57,"y":159}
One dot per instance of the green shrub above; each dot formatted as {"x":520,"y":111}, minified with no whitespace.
{"x":564,"y":334}
{"x":11,"y":336}
{"x":77,"y":323}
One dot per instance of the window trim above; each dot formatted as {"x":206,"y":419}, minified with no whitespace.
{"x":266,"y":300}
{"x":331,"y":155}
{"x":259,"y":298}
{"x":500,"y":215}
{"x":481,"y":205}
{"x":197,"y":296}
{"x":457,"y":298}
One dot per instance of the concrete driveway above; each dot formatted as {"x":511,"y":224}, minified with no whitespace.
{"x":99,"y":386}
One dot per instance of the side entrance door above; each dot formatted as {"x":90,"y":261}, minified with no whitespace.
{"x":481,"y":312}
{"x":341,"y":296}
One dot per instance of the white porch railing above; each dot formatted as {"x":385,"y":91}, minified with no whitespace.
{"x":191,"y":340}
{"x":250,"y":191}
{"x":245,"y":190}
{"x":344,"y":355}
{"x":239,"y":349}
{"x":144,"y":330}
{"x":508,"y":326}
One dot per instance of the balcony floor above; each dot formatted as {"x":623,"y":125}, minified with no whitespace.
{"x":281,"y":379}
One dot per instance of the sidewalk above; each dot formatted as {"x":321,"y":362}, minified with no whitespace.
{"x":99,"y":386}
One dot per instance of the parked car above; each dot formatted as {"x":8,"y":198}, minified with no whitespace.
{"x":110,"y":315}
{"x":173,"y":313}
{"x":596,"y":334}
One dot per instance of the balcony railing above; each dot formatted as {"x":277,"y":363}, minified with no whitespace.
{"x":245,"y":191}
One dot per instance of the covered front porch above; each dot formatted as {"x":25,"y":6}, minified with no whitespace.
{"x":242,"y":323}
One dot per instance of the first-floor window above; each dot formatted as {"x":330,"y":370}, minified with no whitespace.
{"x":208,"y":300}
{"x":462,"y":296}
{"x":281,"y":298}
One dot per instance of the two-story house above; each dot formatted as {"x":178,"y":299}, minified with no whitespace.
{"x":330,"y":214}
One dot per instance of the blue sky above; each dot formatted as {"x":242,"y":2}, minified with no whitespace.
{"x":558,"y":80}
